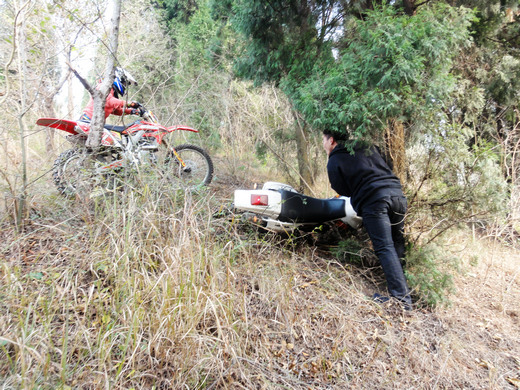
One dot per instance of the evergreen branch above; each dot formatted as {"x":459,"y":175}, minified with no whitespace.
{"x":423,"y":3}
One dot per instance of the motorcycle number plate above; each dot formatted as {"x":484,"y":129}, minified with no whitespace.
{"x":116,"y":135}
{"x":110,"y":138}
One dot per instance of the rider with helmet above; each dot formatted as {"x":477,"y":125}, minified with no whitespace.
{"x":114,"y":105}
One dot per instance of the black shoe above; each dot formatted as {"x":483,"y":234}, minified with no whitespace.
{"x":380,"y":298}
{"x":384,"y":299}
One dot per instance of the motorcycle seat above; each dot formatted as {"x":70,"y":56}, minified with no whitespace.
{"x":118,"y":129}
{"x":302,"y":208}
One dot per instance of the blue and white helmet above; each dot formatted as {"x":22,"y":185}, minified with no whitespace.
{"x":121,"y":80}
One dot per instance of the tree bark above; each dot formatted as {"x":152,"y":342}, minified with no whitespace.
{"x":100,"y":93}
{"x":409,"y":7}
{"x":70,"y":96}
{"x":302,"y":149}
{"x":21,"y":40}
{"x":49,"y":132}
{"x":395,"y":148}
{"x":50,"y":112}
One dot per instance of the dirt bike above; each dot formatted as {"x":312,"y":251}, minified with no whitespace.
{"x":280,"y":208}
{"x":139,"y":147}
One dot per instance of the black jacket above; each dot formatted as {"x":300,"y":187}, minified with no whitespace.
{"x":362,"y":176}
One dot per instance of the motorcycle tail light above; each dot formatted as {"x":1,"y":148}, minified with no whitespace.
{"x":259,"y":200}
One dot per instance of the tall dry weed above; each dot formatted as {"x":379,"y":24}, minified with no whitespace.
{"x":167,"y":288}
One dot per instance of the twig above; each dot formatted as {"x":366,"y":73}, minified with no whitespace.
{"x":84,"y":82}
{"x":11,"y":57}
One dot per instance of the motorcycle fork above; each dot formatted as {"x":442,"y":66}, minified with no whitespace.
{"x":177,"y":156}
{"x":179,"y":159}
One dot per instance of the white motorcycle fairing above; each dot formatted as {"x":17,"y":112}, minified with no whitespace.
{"x":279,"y":207}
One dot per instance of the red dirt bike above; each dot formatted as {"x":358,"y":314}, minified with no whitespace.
{"x":140,"y":147}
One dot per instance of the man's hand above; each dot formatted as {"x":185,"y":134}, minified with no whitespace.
{"x":134,"y":104}
{"x":137,"y":111}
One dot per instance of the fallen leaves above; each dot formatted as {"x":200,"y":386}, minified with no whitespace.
{"x":514,"y":381}
{"x":485,"y":364}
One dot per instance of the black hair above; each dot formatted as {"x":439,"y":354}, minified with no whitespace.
{"x":338,"y":137}
{"x":344,"y":140}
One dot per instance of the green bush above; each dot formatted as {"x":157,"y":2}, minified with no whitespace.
{"x":348,"y":250}
{"x":429,"y":271}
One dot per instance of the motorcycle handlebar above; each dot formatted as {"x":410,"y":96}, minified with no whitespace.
{"x":144,"y":113}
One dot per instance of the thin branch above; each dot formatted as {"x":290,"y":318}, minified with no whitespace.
{"x":11,"y":57}
{"x":84,"y":82}
{"x":423,"y":3}
{"x":85,"y":25}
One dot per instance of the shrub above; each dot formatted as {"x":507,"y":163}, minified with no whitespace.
{"x":429,"y":271}
{"x":348,"y":250}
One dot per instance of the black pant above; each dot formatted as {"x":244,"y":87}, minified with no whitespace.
{"x":383,"y":217}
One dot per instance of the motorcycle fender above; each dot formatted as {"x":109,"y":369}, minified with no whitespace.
{"x":243,"y":202}
{"x":151,"y":130}
{"x":60,"y":124}
{"x":275,"y":186}
{"x":184,"y":128}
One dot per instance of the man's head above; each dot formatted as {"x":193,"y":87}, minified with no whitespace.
{"x":331,"y":140}
{"x":121,"y":80}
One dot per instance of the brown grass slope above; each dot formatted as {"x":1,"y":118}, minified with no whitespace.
{"x":167,"y":292}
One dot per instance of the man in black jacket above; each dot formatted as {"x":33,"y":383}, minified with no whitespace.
{"x":376,"y":195}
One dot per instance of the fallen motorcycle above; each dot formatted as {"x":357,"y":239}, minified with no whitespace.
{"x":280,"y":208}
{"x":138,"y":147}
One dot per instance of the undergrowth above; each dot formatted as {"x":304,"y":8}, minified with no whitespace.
{"x":430,"y":272}
{"x":162,"y":289}
{"x":428,"y":269}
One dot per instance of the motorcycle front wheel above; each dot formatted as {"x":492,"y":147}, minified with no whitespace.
{"x":190,"y":165}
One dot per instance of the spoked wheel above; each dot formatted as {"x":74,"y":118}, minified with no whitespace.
{"x":77,"y":173}
{"x":188,"y":166}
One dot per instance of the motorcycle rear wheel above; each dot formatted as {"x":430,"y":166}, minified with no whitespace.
{"x":76,"y":173}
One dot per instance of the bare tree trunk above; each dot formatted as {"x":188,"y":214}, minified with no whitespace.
{"x":48,"y":102}
{"x":18,"y":50}
{"x":409,"y":7}
{"x":70,"y":96}
{"x":49,"y":132}
{"x":22,"y":72}
{"x":395,"y":148}
{"x":302,"y":146}
{"x":100,"y":94}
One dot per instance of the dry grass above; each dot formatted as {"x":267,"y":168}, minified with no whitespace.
{"x":142,"y":291}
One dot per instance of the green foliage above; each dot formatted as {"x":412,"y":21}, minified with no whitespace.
{"x":453,"y":184}
{"x":348,"y":250}
{"x":504,"y":80}
{"x":282,"y":42}
{"x":193,"y":39}
{"x":392,"y":66}
{"x":494,"y":23}
{"x":178,"y":11}
{"x":492,"y":65}
{"x":199,"y":29}
{"x":199,"y":71}
{"x":429,"y":272}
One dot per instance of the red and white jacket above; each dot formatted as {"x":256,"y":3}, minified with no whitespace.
{"x":113,"y":106}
